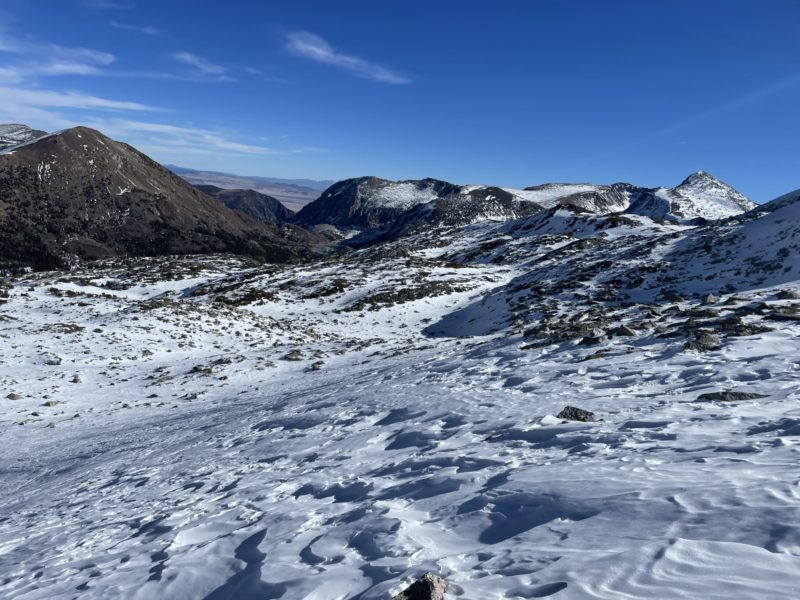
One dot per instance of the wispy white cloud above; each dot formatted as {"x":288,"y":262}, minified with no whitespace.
{"x":42,"y":59}
{"x":13,"y":96}
{"x":143,"y":29}
{"x":313,"y":47}
{"x":47,"y":109}
{"x":110,"y":4}
{"x":180,"y":138}
{"x":202,"y":66}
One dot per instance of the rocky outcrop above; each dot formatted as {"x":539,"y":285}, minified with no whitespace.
{"x":572,"y":413}
{"x":427,"y":587}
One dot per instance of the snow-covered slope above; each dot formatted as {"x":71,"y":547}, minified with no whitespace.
{"x":13,"y":134}
{"x":202,"y":428}
{"x":699,"y":196}
{"x":369,"y":202}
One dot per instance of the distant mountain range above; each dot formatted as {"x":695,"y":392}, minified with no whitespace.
{"x":293,"y":193}
{"x":368,"y":209}
{"x":76,"y":195}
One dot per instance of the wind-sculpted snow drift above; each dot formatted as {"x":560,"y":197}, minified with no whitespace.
{"x":200,"y":427}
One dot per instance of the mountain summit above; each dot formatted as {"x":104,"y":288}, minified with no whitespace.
{"x":77,"y":194}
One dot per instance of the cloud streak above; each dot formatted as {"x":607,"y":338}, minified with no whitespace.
{"x":37,"y":59}
{"x":76,"y":100}
{"x":202,"y":66}
{"x":110,"y":4}
{"x":316,"y":49}
{"x":181,"y":138}
{"x":143,"y":29}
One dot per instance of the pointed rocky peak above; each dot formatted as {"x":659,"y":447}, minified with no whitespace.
{"x":704,"y":185}
{"x":699,"y":178}
{"x":699,"y":196}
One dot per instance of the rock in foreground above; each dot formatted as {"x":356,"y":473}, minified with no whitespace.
{"x":427,"y":587}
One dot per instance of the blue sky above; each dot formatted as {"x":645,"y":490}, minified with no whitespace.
{"x":510,"y":93}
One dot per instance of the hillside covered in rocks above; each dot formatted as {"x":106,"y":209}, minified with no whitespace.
{"x":581,"y":399}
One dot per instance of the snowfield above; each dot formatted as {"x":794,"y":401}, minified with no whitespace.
{"x":199,"y":428}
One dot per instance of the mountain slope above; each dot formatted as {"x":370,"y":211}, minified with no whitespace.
{"x":260,"y":207}
{"x":13,"y":134}
{"x":369,"y":202}
{"x":78,"y":194}
{"x":699,"y":196}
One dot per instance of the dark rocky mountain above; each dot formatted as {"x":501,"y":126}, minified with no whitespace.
{"x":463,"y":207}
{"x":79,"y":195}
{"x":260,"y":207}
{"x":13,"y":134}
{"x":378,"y":209}
{"x":369,"y":202}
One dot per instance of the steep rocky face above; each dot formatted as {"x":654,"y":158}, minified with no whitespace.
{"x":260,"y":207}
{"x":463,"y":207}
{"x":13,"y":134}
{"x":369,"y":202}
{"x":80,"y":195}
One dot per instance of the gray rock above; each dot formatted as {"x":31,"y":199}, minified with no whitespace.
{"x":623,"y":331}
{"x":427,"y":587}
{"x":592,"y":340}
{"x":708,"y":299}
{"x":13,"y":396}
{"x":293,"y":355}
{"x":728,"y":396}
{"x":703,"y":341}
{"x":572,"y":413}
{"x":788,"y":295}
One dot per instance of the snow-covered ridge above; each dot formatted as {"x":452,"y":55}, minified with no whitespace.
{"x":14,"y":134}
{"x":373,"y":205}
{"x":400,"y":195}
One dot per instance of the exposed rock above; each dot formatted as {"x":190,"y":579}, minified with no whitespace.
{"x":427,"y":587}
{"x":14,"y":396}
{"x":704,"y":341}
{"x":708,"y":299}
{"x":592,"y":340}
{"x":293,"y":355}
{"x":728,"y":396}
{"x":622,"y":331}
{"x":788,"y":295}
{"x":736,"y":327}
{"x":785,"y":313}
{"x":572,"y":413}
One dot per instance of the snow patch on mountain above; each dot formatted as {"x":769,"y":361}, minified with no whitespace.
{"x":14,"y":134}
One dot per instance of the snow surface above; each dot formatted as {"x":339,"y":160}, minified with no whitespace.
{"x":548,"y":195}
{"x":194,"y":428}
{"x":400,"y":195}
